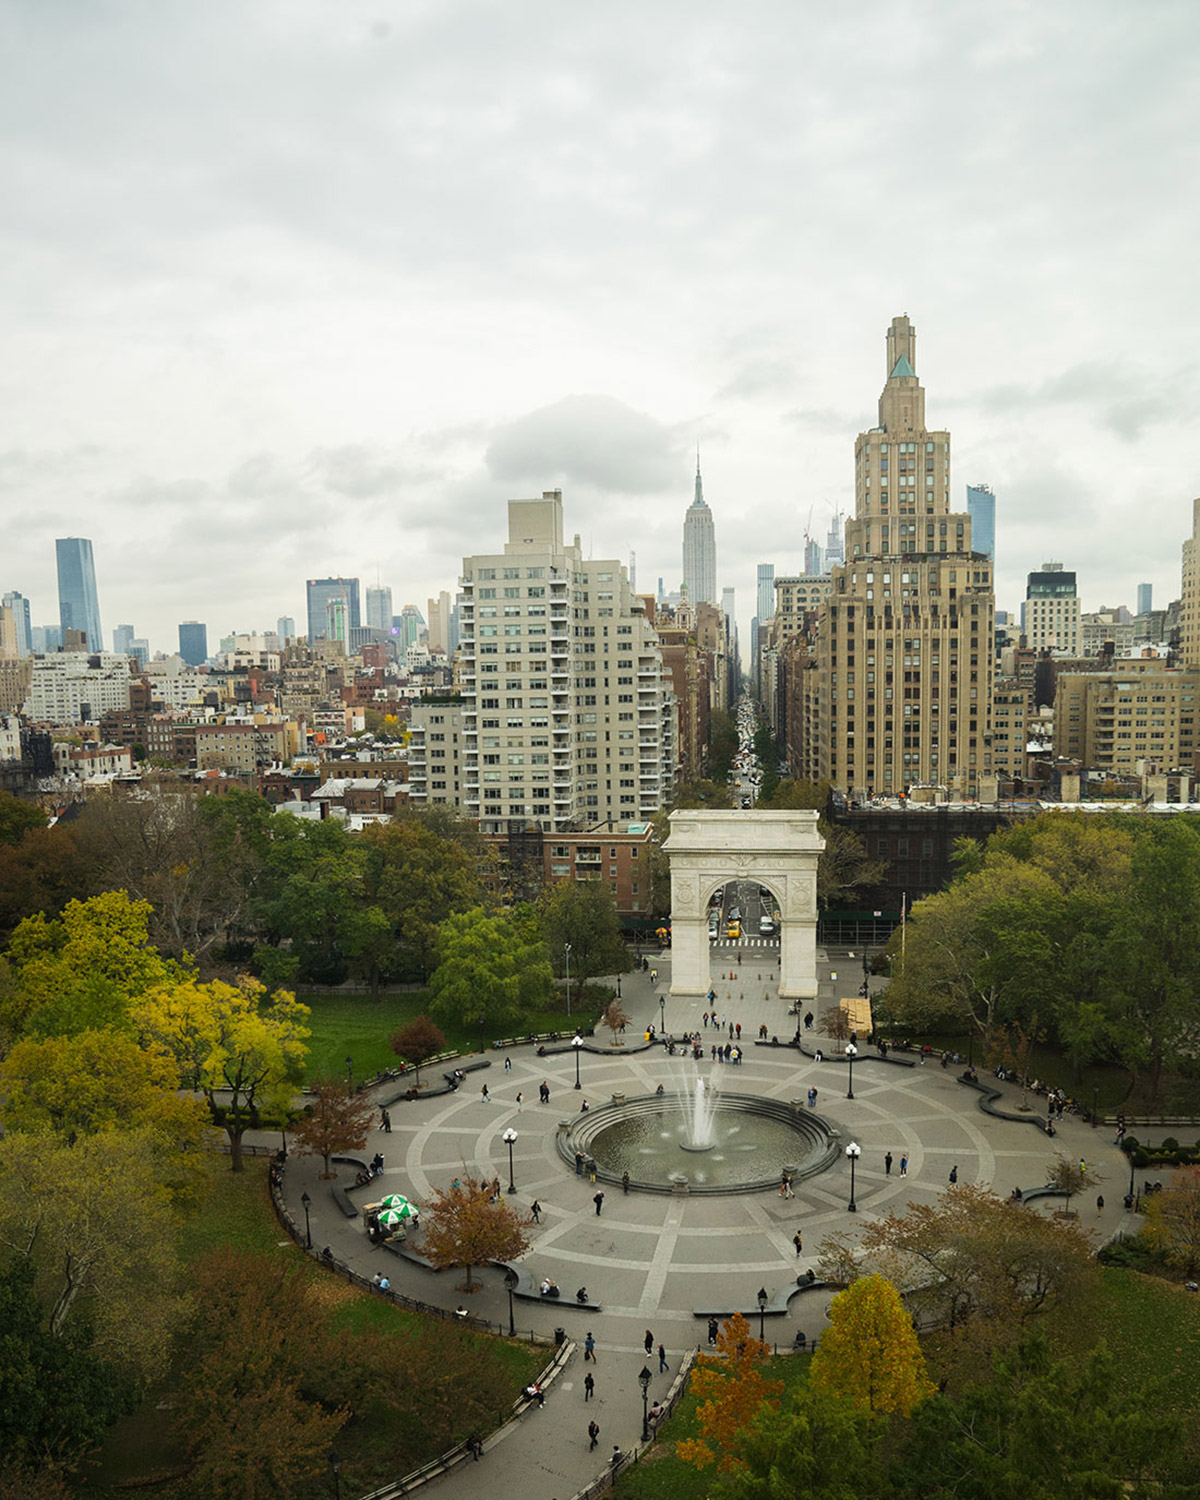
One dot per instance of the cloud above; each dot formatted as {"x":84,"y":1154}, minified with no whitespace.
{"x":593,"y":441}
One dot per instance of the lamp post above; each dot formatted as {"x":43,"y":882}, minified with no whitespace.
{"x":618,"y":986}
{"x":662,"y":1014}
{"x":567,"y":951}
{"x":577,"y":1043}
{"x":335,"y":1464}
{"x":349,"y":1075}
{"x":851,"y":1054}
{"x":644,"y":1382}
{"x":512,"y":1325}
{"x":1095,"y":1103}
{"x":853,"y":1151}
{"x":1129,"y":1154}
{"x":509,"y":1138}
{"x":762,"y":1315}
{"x":306,"y":1200}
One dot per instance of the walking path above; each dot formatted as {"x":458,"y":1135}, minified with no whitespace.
{"x":651,"y":1259}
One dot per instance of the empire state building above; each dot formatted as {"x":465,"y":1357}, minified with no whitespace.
{"x":699,"y":549}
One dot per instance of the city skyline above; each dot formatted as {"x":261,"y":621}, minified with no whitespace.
{"x":264,"y":368}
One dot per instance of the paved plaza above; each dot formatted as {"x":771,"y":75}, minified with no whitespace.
{"x":652,"y":1258}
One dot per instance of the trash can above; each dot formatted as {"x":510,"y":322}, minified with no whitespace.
{"x":560,"y":1337}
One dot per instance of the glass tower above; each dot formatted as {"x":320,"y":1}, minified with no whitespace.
{"x":78,"y":603}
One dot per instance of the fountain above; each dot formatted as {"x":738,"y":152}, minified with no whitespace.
{"x":701,"y":1135}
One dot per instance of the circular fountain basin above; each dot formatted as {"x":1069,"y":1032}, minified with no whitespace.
{"x":754,"y":1141}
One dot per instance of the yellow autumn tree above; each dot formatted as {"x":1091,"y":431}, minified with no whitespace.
{"x":869,"y":1353}
{"x":731,"y":1388}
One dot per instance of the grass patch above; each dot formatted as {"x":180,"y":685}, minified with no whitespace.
{"x":358,"y":1027}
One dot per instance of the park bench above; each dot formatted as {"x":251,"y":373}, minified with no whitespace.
{"x":342,"y":1198}
{"x":527,"y":1289}
{"x":777,"y":1306}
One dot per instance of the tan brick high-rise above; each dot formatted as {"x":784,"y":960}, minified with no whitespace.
{"x":903,"y":681}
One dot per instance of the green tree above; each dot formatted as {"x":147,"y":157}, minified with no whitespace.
{"x":703,"y":792}
{"x":819,"y":1445}
{"x":492,"y":968}
{"x":583,"y":914}
{"x":42,"y":873}
{"x":318,"y":900}
{"x":722,"y":746}
{"x":17,"y":818}
{"x":462,"y":1226}
{"x":869,"y":1353}
{"x":244,"y":1050}
{"x":1173,"y":1221}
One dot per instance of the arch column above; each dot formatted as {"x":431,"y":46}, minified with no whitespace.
{"x":708,"y":848}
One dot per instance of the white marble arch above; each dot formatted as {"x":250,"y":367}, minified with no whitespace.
{"x":776,"y":849}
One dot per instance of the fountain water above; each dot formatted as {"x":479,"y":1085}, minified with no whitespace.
{"x":701,"y":1133}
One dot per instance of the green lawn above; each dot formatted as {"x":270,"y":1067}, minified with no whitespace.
{"x":356,"y":1026}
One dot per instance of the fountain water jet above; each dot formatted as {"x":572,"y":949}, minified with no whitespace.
{"x":701,"y":1131}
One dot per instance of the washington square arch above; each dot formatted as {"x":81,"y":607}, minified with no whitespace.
{"x":779,"y":850}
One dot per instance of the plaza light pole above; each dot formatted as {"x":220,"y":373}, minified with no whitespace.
{"x":567,"y":951}
{"x":509,"y":1138}
{"x":762,"y":1315}
{"x":851,"y":1054}
{"x":662,"y":1014}
{"x":577,"y":1043}
{"x":512,"y":1325}
{"x":644,"y":1382}
{"x":306,"y":1200}
{"x":335,"y":1464}
{"x":853,"y":1151}
{"x":349,"y":1075}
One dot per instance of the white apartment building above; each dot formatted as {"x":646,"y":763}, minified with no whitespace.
{"x":568,"y":717}
{"x":435,"y":752}
{"x":73,"y":686}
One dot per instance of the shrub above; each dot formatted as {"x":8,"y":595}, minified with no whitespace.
{"x":1169,"y":1144}
{"x":1135,"y":1253}
{"x":1131,"y":1145}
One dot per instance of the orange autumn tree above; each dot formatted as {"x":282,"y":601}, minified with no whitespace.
{"x":869,"y":1353}
{"x":461,"y":1226}
{"x":732,"y":1388}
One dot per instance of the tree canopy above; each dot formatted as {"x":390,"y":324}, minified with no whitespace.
{"x":869,"y":1353}
{"x":462,"y":1226}
{"x":491,"y":967}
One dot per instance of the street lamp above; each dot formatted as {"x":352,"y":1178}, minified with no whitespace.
{"x":851,"y":1054}
{"x":335,"y":1463}
{"x":662,"y":1014}
{"x":512,"y":1325}
{"x":567,"y":950}
{"x":306,"y":1200}
{"x":762,"y":1315}
{"x":853,"y":1151}
{"x":644,"y":1382}
{"x":509,"y":1138}
{"x":577,"y":1043}
{"x":1095,"y":1103}
{"x":349,"y":1075}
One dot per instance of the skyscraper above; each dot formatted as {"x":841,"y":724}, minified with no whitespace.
{"x":812,"y":558}
{"x":835,"y":543}
{"x":902,"y":687}
{"x":22,"y":622}
{"x":1189,"y":611}
{"x":438,"y":615}
{"x":766,"y":592}
{"x":320,"y":592}
{"x":981,"y":507}
{"x":1145,"y":598}
{"x":193,"y":642}
{"x":285,"y":629}
{"x":78,"y":602}
{"x":699,"y":549}
{"x":123,"y":640}
{"x":1051,"y":611}
{"x":379,"y":609}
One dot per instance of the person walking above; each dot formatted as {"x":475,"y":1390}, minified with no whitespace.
{"x":589,"y":1386}
{"x":808,"y":1021}
{"x":508,"y":1064}
{"x":598,"y":1200}
{"x":712,"y":1330}
{"x":887,"y":1165}
{"x":484,"y":1095}
{"x":385,"y":1122}
{"x":812,"y":1098}
{"x":798,"y":1241}
{"x":520,"y":1103}
{"x":648,"y":1341}
{"x":953,"y":1175}
{"x":535,"y":1208}
{"x":593,"y":1435}
{"x":589,"y":1348}
{"x":1099,"y":1205}
{"x":904,"y":1165}
{"x":663,"y":1366}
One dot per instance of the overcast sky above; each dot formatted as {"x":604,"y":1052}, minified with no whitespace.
{"x":315,"y":286}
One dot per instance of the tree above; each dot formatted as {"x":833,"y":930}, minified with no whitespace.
{"x":56,"y":1398}
{"x":701,"y":791}
{"x":835,"y":1022}
{"x":969,"y":1257}
{"x":615,"y":1018}
{"x":17,"y":818}
{"x":416,"y":1042}
{"x":95,"y":1222}
{"x":461,"y":1226}
{"x":818,"y":1445}
{"x":1173,"y":1221}
{"x":491,"y":969}
{"x":869,"y":1353}
{"x":582,"y":913}
{"x":244,"y":1050}
{"x":335,"y":1120}
{"x":254,"y":1426}
{"x":41,"y":874}
{"x":1068,"y":1176}
{"x":731,"y":1389}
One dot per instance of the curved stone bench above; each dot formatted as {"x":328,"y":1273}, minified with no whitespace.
{"x":839,"y":1056}
{"x":987,"y":1104}
{"x":527,"y":1289}
{"x":775,"y":1308}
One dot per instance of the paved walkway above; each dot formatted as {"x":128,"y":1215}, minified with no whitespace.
{"x":650,"y":1258}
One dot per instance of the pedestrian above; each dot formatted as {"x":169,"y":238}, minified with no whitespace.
{"x":589,"y":1386}
{"x":598,"y":1200}
{"x":593,"y":1431}
{"x":617,"y":1456}
{"x":583,"y":1108}
{"x":887,"y":1165}
{"x":787,"y":1185}
{"x":579,"y":1163}
{"x":712,"y":1330}
{"x":484,"y":1095}
{"x":1099,"y":1205}
{"x":544,"y":1092}
{"x":812,"y":1098}
{"x":731,"y":1031}
{"x":783,"y":1185}
{"x":808,"y":1021}
{"x":738,"y":1029}
{"x":648,"y":1342}
{"x":589,"y":1348}
{"x":475,"y":1444}
{"x":904,"y":1165}
{"x":535,"y":1208}
{"x":663,"y":1366}
{"x":953,"y":1175}
{"x":739,"y":959}
{"x":704,"y":1018}
{"x":798,"y":1241}
{"x":1082,"y":1167}
{"x":520,"y":1103}
{"x":625,"y":1182}
{"x":385,"y":1121}
{"x":508,"y":1064}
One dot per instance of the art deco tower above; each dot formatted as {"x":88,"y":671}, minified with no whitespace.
{"x":902,"y":688}
{"x":699,"y":548}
